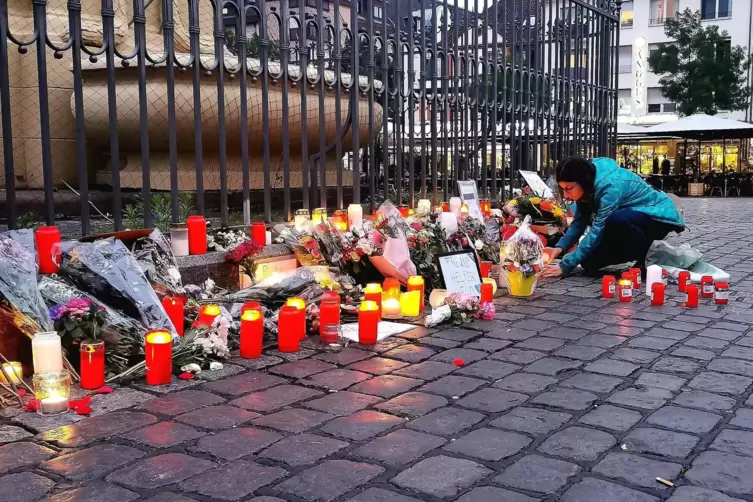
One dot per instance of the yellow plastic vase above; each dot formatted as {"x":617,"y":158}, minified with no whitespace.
{"x":519,"y":285}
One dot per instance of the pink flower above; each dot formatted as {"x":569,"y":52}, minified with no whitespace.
{"x":79,"y":304}
{"x":486,"y":311}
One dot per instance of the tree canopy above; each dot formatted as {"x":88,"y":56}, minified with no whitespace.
{"x":700,"y":70}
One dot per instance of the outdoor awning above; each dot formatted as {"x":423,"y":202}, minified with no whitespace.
{"x":627,"y":129}
{"x":703,"y":127}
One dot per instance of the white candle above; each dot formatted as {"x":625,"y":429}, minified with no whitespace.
{"x":424,"y":207}
{"x":53,"y":405}
{"x":179,"y":239}
{"x":47,"y":352}
{"x":653,"y":275}
{"x":455,"y":204}
{"x":355,"y":215}
{"x":391,"y":308}
{"x":269,"y":238}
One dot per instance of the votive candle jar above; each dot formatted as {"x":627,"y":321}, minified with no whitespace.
{"x":416,"y":283}
{"x":52,"y":391}
{"x":368,"y":322}
{"x":179,"y":239}
{"x":301,"y":217}
{"x":300,"y":306}
{"x":49,"y":252}
{"x":707,"y":286}
{"x":207,"y":315}
{"x":92,"y":354}
{"x":259,"y":233}
{"x":197,"y":235}
{"x":635,"y":276}
{"x":486,"y":268}
{"x":625,"y":291}
{"x":486,"y":206}
{"x":252,"y":334}
{"x":405,"y":211}
{"x":252,"y":306}
{"x":487,"y":292}
{"x":721,"y":293}
{"x":608,"y":286}
{"x":319,"y":216}
{"x":657,"y":294}
{"x":373,"y":292}
{"x":159,"y":357}
{"x":15,"y":372}
{"x":329,"y":314}
{"x":355,"y":216}
{"x":683,"y":279}
{"x":445,"y":207}
{"x":391,"y":308}
{"x":288,"y":338}
{"x":47,"y":352}
{"x":410,"y":303}
{"x":340,"y":219}
{"x":390,"y":288}
{"x":175,"y":309}
{"x":691,"y":296}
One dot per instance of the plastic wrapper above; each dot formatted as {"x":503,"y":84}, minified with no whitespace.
{"x":395,"y":260}
{"x":303,"y":244}
{"x":19,"y":295}
{"x":521,"y":260}
{"x":123,"y":336}
{"x":108,"y":271}
{"x":279,"y":286}
{"x":156,"y":259}
{"x":438,"y":316}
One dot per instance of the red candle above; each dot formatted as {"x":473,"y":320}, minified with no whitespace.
{"x":682,"y":281}
{"x":197,"y":234}
{"x":207,"y":314}
{"x":47,"y":240}
{"x":252,"y":333}
{"x":445,"y":207}
{"x":391,"y":288}
{"x":92,"y":364}
{"x":707,"y":286}
{"x":487,"y":292}
{"x":175,"y":311}
{"x":691,"y":296}
{"x":373,"y":293}
{"x":340,"y":219}
{"x":259,"y":233}
{"x":486,"y":269}
{"x":300,"y":306}
{"x":252,"y":306}
{"x":332,"y":295}
{"x":657,"y":294}
{"x":635,"y":276}
{"x":288,"y":339}
{"x":625,"y":291}
{"x":721,"y":295}
{"x":329,"y":314}
{"x":608,"y":286}
{"x":159,"y":358}
{"x":486,"y":206}
{"x":368,"y":322}
{"x":404,"y":211}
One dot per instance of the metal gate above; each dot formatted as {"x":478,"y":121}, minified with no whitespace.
{"x":128,"y":113}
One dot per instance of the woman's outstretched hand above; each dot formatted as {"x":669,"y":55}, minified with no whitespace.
{"x":552,"y":271}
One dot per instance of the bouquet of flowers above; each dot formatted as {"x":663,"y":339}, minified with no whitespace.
{"x":155,"y":257}
{"x":521,"y":257}
{"x":78,"y":319}
{"x":223,"y":239}
{"x":244,"y":254}
{"x":541,"y":211}
{"x":461,"y":309}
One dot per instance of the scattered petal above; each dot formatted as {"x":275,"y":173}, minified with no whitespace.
{"x":186,"y":375}
{"x":78,"y":403}
{"x":104,"y":390}
{"x":458,"y":362}
{"x":22,"y":392}
{"x":82,"y":410}
{"x":32,"y":405}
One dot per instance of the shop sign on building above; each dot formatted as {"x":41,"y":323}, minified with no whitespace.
{"x":640,"y":69}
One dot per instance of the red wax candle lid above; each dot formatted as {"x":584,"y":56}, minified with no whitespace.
{"x":722,"y":284}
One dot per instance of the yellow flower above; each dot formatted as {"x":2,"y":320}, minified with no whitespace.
{"x":513,"y":202}
{"x":535,"y":200}
{"x":558,"y":213}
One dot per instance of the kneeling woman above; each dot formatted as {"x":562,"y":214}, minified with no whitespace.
{"x":625,"y":215}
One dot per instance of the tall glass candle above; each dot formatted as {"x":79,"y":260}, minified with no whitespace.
{"x":175,"y":309}
{"x":301,"y":217}
{"x":319,"y":216}
{"x":92,"y":353}
{"x":625,"y":290}
{"x":635,"y":274}
{"x":179,"y":239}
{"x":682,"y":281}
{"x":329,"y":314}
{"x":707,"y":286}
{"x":300,"y":306}
{"x":340,"y":219}
{"x":368,"y":322}
{"x":608,"y":286}
{"x":416,"y":283}
{"x":405,"y":211}
{"x":657,"y":294}
{"x":486,"y":269}
{"x":487,"y":292}
{"x":390,"y":288}
{"x":464,"y":212}
{"x":197,"y":235}
{"x":252,"y":334}
{"x":691,"y":296}
{"x":47,"y":352}
{"x":391,"y":308}
{"x":486,"y":206}
{"x":288,"y":339}
{"x":15,"y":372}
{"x":373,"y":293}
{"x":355,"y":215}
{"x":47,"y":240}
{"x":207,"y":314}
{"x":410,"y":303}
{"x":259,"y":233}
{"x":159,"y":357}
{"x":445,"y":207}
{"x":721,"y":293}
{"x":52,"y":391}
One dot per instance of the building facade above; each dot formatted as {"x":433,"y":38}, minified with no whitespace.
{"x":642,"y":30}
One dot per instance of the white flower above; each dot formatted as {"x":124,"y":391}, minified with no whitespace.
{"x":479,"y":244}
{"x":215,"y":366}
{"x":193,"y":368}
{"x":208,"y":285}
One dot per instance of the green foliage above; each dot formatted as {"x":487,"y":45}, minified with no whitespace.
{"x":161,"y":211}
{"x":700,"y":70}
{"x":29,"y":219}
{"x":253,"y":46}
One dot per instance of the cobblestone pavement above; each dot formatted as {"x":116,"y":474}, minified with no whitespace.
{"x":564,"y":397}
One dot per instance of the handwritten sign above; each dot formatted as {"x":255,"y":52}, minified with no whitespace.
{"x":460,"y":272}
{"x":537,"y":184}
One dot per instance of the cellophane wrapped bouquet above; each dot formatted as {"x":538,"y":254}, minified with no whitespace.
{"x":521,"y":260}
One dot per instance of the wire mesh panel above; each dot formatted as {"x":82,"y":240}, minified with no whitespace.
{"x":135,"y":113}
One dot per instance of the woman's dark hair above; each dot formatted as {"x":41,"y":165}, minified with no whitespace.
{"x":579,"y":170}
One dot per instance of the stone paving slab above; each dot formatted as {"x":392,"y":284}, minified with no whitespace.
{"x":564,"y":397}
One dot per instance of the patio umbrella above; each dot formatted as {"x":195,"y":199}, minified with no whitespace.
{"x":703,"y":127}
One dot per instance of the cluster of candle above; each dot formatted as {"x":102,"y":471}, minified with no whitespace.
{"x":656,"y":287}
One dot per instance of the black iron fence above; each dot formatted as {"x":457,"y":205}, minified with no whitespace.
{"x":130,"y":113}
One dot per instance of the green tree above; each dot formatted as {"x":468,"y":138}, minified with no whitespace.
{"x":700,"y":70}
